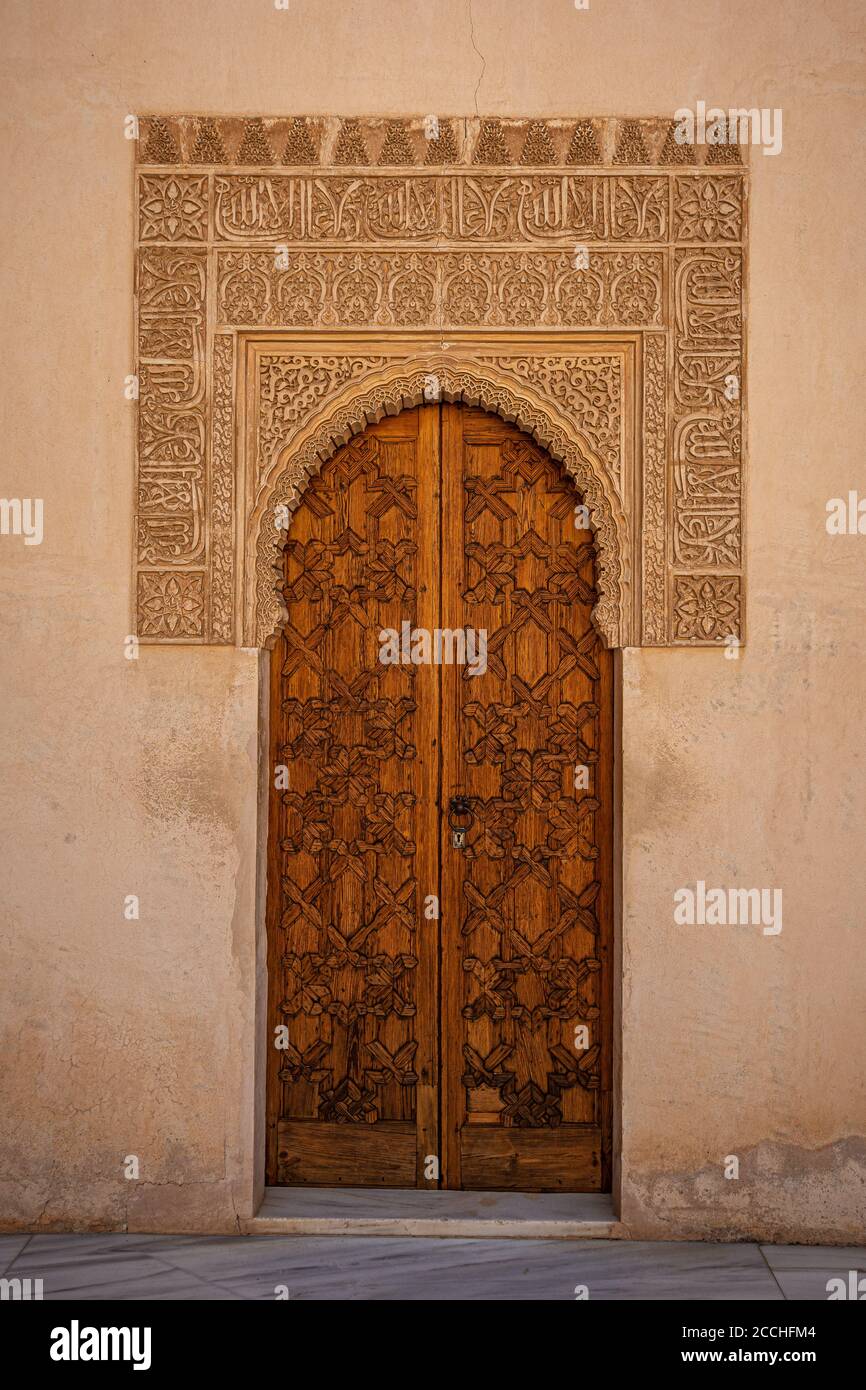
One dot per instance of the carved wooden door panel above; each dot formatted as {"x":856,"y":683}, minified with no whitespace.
{"x":480,"y":1038}
{"x":353,"y":831}
{"x":526,"y":906}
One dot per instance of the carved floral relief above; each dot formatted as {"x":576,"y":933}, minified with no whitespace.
{"x":591,"y":273}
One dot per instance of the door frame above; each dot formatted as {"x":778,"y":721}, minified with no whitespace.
{"x":420,"y":254}
{"x":391,"y":379}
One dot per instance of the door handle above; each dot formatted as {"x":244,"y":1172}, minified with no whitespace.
{"x":459,"y":807}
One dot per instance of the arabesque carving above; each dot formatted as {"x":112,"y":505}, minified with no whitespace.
{"x":585,"y":276}
{"x":282,"y":484}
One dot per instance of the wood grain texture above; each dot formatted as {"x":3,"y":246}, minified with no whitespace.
{"x":322,"y":1154}
{"x":353,"y":961}
{"x":450,"y":519}
{"x":527,"y":904}
{"x":566,"y":1159}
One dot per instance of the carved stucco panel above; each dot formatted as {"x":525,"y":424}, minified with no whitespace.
{"x":303,"y":289}
{"x":402,"y":385}
{"x":538,"y":209}
{"x":589,"y":390}
{"x":222,"y":552}
{"x":654,"y":492}
{"x":324,"y":227}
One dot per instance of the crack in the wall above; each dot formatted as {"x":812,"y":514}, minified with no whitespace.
{"x":480,"y":55}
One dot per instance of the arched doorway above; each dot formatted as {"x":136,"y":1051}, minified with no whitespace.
{"x":440,"y":854}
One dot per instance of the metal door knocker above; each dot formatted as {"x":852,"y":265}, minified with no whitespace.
{"x":459,"y":807}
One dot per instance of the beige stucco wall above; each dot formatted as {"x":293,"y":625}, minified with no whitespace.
{"x":122,"y":777}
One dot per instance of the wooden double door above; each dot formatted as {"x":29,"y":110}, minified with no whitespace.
{"x":440,"y":1003}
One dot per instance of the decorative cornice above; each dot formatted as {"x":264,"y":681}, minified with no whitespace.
{"x":413,"y":142}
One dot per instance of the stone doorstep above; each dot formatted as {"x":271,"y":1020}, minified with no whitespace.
{"x":356,"y":1211}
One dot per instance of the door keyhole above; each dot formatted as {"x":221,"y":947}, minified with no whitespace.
{"x":459,"y":808}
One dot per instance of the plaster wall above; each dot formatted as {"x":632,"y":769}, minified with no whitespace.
{"x":140,"y":777}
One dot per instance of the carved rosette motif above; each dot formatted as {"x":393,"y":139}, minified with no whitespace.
{"x":706,"y":607}
{"x":296,"y":226}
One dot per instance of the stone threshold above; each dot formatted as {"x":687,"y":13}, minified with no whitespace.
{"x":364,"y":1211}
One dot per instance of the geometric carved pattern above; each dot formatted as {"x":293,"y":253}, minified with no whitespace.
{"x":388,"y":1011}
{"x":532,"y":886}
{"x":170,"y":605}
{"x":222,"y":488}
{"x":630,"y":147}
{"x":372,"y":226}
{"x":344,"y":903}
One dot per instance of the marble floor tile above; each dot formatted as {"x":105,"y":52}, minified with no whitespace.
{"x":85,"y":1267}
{"x":844,"y":1257}
{"x":10,"y":1247}
{"x":810,"y":1284}
{"x":56,"y":1245}
{"x":359,"y":1268}
{"x":171,"y":1284}
{"x":231,"y":1257}
{"x":356,"y":1268}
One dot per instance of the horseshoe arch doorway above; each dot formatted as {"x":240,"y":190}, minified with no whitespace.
{"x":440,"y":1009}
